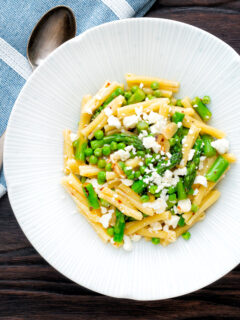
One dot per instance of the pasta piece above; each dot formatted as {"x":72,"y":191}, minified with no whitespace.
{"x":96,"y":101}
{"x":186,"y":111}
{"x":186,"y":102}
{"x":230,"y":157}
{"x":207,"y":165}
{"x":111,"y":175}
{"x":180,"y":230}
{"x":159,"y":234}
{"x":135,"y":203}
{"x":188,"y":144}
{"x":101,"y":120}
{"x":67,"y":150}
{"x":73,"y":165}
{"x":188,"y":121}
{"x":133,"y":163}
{"x":164,"y":93}
{"x":164,"y":84}
{"x":113,"y":183}
{"x":88,"y":170}
{"x":84,"y":117}
{"x":130,"y":109}
{"x":134,"y":226}
{"x":170,"y":129}
{"x":113,"y":198}
{"x":209,"y":200}
{"x":164,"y":110}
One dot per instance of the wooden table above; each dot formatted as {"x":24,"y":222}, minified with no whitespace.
{"x":31,"y":289}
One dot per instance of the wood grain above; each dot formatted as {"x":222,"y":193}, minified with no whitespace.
{"x":31,"y":289}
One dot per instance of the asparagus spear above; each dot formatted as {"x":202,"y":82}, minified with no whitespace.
{"x":217,"y":169}
{"x":119,"y":226}
{"x":201,"y":109}
{"x":91,"y":196}
{"x":208,"y":150}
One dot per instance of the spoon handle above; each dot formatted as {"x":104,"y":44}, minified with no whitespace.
{"x":1,"y":149}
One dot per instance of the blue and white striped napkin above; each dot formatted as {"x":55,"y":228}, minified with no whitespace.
{"x":17,"y":19}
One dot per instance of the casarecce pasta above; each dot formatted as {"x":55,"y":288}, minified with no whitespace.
{"x":144,"y":164}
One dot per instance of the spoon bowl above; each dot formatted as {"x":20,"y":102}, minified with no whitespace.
{"x":53,"y":29}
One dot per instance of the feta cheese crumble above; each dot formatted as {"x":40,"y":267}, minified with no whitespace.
{"x":105,"y":219}
{"x":191,"y":154}
{"x":221,"y":145}
{"x":114,"y":122}
{"x":158,"y":205}
{"x":127,"y":245}
{"x":151,"y":143}
{"x":130,"y":122}
{"x":184,"y":205}
{"x":108,"y":111}
{"x":73,"y":136}
{"x":135,"y":237}
{"x":200,"y":180}
{"x":127,"y":182}
{"x":173,"y":221}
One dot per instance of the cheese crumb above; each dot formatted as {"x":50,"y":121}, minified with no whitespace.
{"x":173,"y":221}
{"x":180,"y":172}
{"x":150,"y":142}
{"x":191,"y":154}
{"x":155,"y":227}
{"x":105,"y":219}
{"x":179,"y":124}
{"x":135,"y":237}
{"x":114,"y":122}
{"x":108,"y":111}
{"x":73,"y":136}
{"x":130,"y":122}
{"x":221,"y":145}
{"x":127,"y":245}
{"x":184,"y":205}
{"x":158,"y":205}
{"x":127,"y":182}
{"x":200,"y":180}
{"x":195,"y":192}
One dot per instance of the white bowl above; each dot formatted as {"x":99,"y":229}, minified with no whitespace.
{"x":50,"y":102}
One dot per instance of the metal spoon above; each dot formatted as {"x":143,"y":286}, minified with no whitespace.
{"x":53,"y":29}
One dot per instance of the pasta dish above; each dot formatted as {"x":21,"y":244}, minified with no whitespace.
{"x":144,"y":164}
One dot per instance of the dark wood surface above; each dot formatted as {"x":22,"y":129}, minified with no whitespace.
{"x":31,"y":289}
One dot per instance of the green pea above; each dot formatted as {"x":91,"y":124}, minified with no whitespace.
{"x":140,"y":154}
{"x":138,"y":96}
{"x":110,"y":231}
{"x":119,"y":91}
{"x":121,"y":165}
{"x":142,"y":169}
{"x":121,"y":145}
{"x":101,"y":163}
{"x":148,"y":161}
{"x":106,"y":150}
{"x":150,"y":97}
{"x":83,"y":179}
{"x":127,"y":95}
{"x":137,"y":174}
{"x":145,"y":198}
{"x":127,"y":171}
{"x":186,"y":235}
{"x":181,"y":222}
{"x":88,"y":152}
{"x":154,"y":85}
{"x":104,"y":203}
{"x":153,"y":189}
{"x":157,"y":93}
{"x":99,"y":134}
{"x":101,"y":177}
{"x":98,"y":152}
{"x":191,"y":191}
{"x":171,"y":190}
{"x":132,"y":155}
{"x":108,"y":167}
{"x":93,"y":159}
{"x":206,"y":99}
{"x":130,"y":176}
{"x":179,"y":103}
{"x":96,"y":144}
{"x":113,"y":145}
{"x":134,"y":89}
{"x":142,"y":125}
{"x":155,"y":240}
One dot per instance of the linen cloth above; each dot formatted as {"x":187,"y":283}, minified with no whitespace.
{"x":18,"y":18}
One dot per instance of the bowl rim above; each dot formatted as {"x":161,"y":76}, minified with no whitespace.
{"x":22,"y":93}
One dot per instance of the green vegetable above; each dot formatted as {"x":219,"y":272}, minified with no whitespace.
{"x":177,"y":117}
{"x":150,"y":96}
{"x":208,"y":150}
{"x":79,"y":150}
{"x":106,"y":150}
{"x":127,"y":171}
{"x":128,"y":139}
{"x":172,"y":200}
{"x":93,"y":159}
{"x":99,"y":134}
{"x":88,"y":152}
{"x":113,"y":146}
{"x":121,"y":145}
{"x":142,"y":125}
{"x":148,"y":160}
{"x":217,"y":169}
{"x":157,"y":93}
{"x":101,"y":177}
{"x":179,"y":103}
{"x":91,"y":196}
{"x":110,"y":231}
{"x":134,"y":89}
{"x":83,"y":179}
{"x":155,"y":240}
{"x":108,"y":167}
{"x":141,"y":154}
{"x":186,"y":235}
{"x":96,"y":144}
{"x":181,"y":191}
{"x":121,"y":165}
{"x":137,"y":96}
{"x":172,"y":190}
{"x":137,"y":174}
{"x":119,"y":227}
{"x":206,"y":99}
{"x":101,"y":163}
{"x":127,"y":95}
{"x":181,"y":222}
{"x":155,"y":85}
{"x":201,"y":109}
{"x":138,"y":186}
{"x":153,"y":189}
{"x":145,"y":198}
{"x":105,"y":203}
{"x":119,"y":91}
{"x":194,"y":208}
{"x":131,"y":176}
{"x":142,"y":169}
{"x":98,"y":152}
